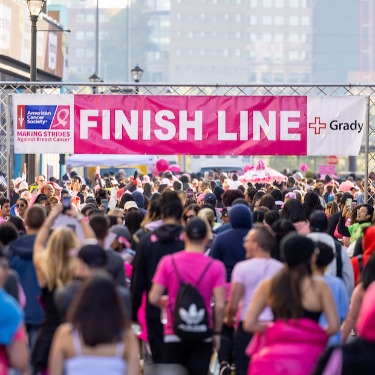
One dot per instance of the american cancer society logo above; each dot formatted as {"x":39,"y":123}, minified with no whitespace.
{"x":43,"y":117}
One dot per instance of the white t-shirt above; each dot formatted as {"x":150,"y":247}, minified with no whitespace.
{"x":250,"y":273}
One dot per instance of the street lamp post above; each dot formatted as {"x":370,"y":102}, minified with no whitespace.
{"x":35,"y":8}
{"x":95,"y":78}
{"x":137,"y":73}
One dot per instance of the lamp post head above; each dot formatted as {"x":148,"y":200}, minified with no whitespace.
{"x":35,"y":7}
{"x":95,"y":78}
{"x":137,"y":73}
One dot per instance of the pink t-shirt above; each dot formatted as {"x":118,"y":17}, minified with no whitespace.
{"x":190,"y":266}
{"x":250,"y":273}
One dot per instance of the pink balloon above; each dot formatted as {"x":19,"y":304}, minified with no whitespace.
{"x":304,"y":167}
{"x":162,"y":165}
{"x":175,"y":168}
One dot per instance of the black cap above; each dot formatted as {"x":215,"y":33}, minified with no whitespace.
{"x":196,"y":229}
{"x":93,"y":255}
{"x":318,"y":221}
{"x":210,"y":198}
{"x":296,"y":249}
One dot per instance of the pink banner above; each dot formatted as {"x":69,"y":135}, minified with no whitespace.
{"x":195,"y":125}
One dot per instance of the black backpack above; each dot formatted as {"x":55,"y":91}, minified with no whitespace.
{"x":190,"y":317}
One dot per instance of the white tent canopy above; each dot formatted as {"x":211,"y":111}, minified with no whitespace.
{"x":91,"y":160}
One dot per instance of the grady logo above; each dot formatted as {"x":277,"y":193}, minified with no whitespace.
{"x":335,"y":125}
{"x":318,"y":125}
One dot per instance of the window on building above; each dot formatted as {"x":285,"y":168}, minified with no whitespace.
{"x":253,"y":3}
{"x":294,"y":38}
{"x":238,"y":17}
{"x":225,"y":52}
{"x":267,"y":3}
{"x":80,"y":35}
{"x":279,"y":3}
{"x":294,"y":21}
{"x":178,"y":52}
{"x":266,"y":38}
{"x":253,"y":20}
{"x":279,"y":20}
{"x":238,"y":53}
{"x":90,"y":18}
{"x":278,"y":38}
{"x":90,"y":35}
{"x":294,"y":3}
{"x":253,"y":37}
{"x":266,"y":20}
{"x":293,"y":55}
{"x":80,"y":52}
{"x":305,"y":21}
{"x":278,"y":77}
{"x":238,"y":35}
{"x":80,"y":17}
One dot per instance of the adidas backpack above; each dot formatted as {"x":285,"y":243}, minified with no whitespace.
{"x":190,"y":317}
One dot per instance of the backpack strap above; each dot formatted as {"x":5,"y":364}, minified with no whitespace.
{"x":360,"y":263}
{"x":338,"y":259}
{"x":204,"y":272}
{"x":200,"y":277}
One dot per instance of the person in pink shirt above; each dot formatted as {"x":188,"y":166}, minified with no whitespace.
{"x":191,"y":266}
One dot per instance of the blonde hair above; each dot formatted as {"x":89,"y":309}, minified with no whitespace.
{"x":59,"y":265}
{"x":207,"y":215}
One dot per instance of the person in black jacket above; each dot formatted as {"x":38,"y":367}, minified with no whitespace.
{"x":334,"y":219}
{"x":21,"y":260}
{"x":166,"y":239}
{"x":115,"y":265}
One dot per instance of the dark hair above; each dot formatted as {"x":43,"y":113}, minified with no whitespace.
{"x":18,"y":223}
{"x":191,"y":207}
{"x":293,"y":211}
{"x":230,"y":196}
{"x":250,"y":192}
{"x":100,"y":225}
{"x":23,"y":200}
{"x":277,"y":195}
{"x":170,"y":205}
{"x":241,"y":201}
{"x":265,"y":237}
{"x":311,"y":203}
{"x":126,"y":197}
{"x":147,"y":190}
{"x":97,"y":311}
{"x":40,"y":197}
{"x":258,"y":215}
{"x":133,"y":221}
{"x":285,"y":297}
{"x":268,"y":201}
{"x":368,"y":274}
{"x":281,"y":228}
{"x":271,"y":216}
{"x":3,"y":200}
{"x":325,"y":256}
{"x":177,"y":185}
{"x":8,"y":233}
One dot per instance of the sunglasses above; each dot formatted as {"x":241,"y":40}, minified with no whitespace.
{"x":190,"y":217}
{"x":21,"y":205}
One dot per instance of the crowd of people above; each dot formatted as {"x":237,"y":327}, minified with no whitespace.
{"x":187,"y":274}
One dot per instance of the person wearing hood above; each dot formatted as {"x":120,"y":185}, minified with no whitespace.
{"x":359,"y":262}
{"x":340,"y":265}
{"x":139,"y":199}
{"x":164,"y":240}
{"x":229,"y":248}
{"x":21,"y":260}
